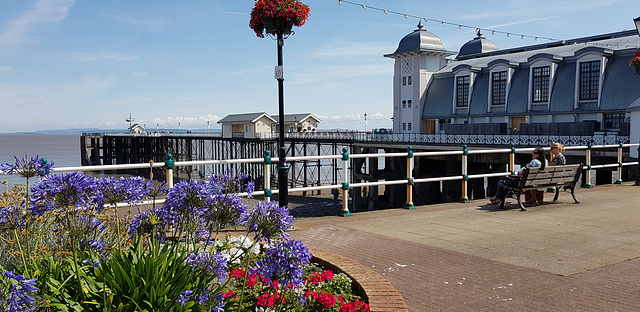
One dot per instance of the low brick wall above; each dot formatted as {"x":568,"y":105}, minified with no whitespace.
{"x":375,"y":289}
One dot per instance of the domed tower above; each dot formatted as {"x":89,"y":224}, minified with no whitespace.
{"x":476,"y":46}
{"x":418,"y":56}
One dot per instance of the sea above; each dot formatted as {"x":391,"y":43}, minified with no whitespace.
{"x":62,"y":149}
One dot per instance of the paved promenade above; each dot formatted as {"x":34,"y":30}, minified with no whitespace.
{"x":473,"y":257}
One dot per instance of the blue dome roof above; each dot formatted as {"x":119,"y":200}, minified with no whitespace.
{"x":478,"y":45}
{"x":420,"y":40}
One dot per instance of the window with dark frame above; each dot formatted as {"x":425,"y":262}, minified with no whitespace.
{"x":613,"y":121}
{"x":462,"y":91}
{"x":498,"y":88}
{"x":409,"y":127}
{"x":409,"y":80}
{"x":443,"y":122}
{"x":409,"y":103}
{"x":540,"y":84}
{"x":589,"y":80}
{"x":404,"y":81}
{"x":404,"y":104}
{"x":404,"y":126}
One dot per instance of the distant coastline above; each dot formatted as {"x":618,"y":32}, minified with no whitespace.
{"x":97,"y":130}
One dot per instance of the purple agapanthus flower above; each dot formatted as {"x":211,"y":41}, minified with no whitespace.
{"x":27,"y":167}
{"x":185,"y":198}
{"x":12,"y":217}
{"x":209,"y":263}
{"x":129,"y":189}
{"x":227,"y":184}
{"x":283,"y":262}
{"x":147,"y":221}
{"x":221,"y":211}
{"x":185,"y":296}
{"x":267,"y":220}
{"x":58,"y":192}
{"x":17,"y":293}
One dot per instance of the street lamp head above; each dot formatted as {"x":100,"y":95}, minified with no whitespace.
{"x":637,"y":22}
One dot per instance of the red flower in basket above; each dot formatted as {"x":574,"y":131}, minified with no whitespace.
{"x":277,"y":12}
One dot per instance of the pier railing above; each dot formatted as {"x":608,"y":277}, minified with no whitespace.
{"x":409,"y":180}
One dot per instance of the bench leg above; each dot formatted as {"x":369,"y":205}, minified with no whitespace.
{"x":573,"y":194}
{"x":522,"y":208}
{"x":557,"y":193}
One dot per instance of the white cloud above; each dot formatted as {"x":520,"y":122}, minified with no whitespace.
{"x":101,"y":56}
{"x":184,"y":121}
{"x":5,"y":68}
{"x":324,"y":73}
{"x":150,"y":25}
{"x":340,"y":48}
{"x":44,"y":13}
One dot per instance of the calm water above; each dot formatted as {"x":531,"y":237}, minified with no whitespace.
{"x":62,"y":149}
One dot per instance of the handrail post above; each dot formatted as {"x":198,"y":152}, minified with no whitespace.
{"x":512,"y":159}
{"x":409,"y":204}
{"x":465,"y":177}
{"x":267,"y":175}
{"x":345,"y":185}
{"x":587,"y":172}
{"x":638,"y":170}
{"x":169,"y":164}
{"x":151,"y":169}
{"x":619,"y":181}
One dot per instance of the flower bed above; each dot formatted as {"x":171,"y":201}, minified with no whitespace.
{"x":67,"y":250}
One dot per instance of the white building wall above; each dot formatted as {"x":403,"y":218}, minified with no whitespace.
{"x":634,"y":135}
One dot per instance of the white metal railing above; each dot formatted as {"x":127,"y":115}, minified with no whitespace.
{"x":410,"y":180}
{"x":416,"y":138}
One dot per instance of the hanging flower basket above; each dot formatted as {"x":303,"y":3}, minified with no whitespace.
{"x":272,"y":16}
{"x":635,"y":62}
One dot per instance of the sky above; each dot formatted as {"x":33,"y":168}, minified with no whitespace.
{"x":67,"y":64}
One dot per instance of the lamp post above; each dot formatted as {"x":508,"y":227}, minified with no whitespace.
{"x":178,"y":127}
{"x":365,"y":122}
{"x":207,"y":126}
{"x":637,"y":22}
{"x":283,"y":169}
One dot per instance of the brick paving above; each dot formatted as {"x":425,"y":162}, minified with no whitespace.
{"x":472,"y":257}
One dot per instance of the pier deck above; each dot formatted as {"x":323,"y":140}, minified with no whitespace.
{"x":473,"y":257}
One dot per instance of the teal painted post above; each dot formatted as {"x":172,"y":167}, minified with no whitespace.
{"x":345,"y":185}
{"x":409,"y":204}
{"x":267,"y":175}
{"x":620,"y":146}
{"x":465,"y":177}
{"x":169,"y":164}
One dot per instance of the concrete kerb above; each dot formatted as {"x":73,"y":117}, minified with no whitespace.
{"x":375,"y":289}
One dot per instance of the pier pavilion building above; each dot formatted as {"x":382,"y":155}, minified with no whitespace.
{"x":570,"y":87}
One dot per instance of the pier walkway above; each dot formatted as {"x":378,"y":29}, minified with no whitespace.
{"x":474,"y":257}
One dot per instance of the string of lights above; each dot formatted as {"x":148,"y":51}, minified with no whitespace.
{"x":476,"y":28}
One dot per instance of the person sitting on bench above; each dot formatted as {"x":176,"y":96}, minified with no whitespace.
{"x":538,"y":160}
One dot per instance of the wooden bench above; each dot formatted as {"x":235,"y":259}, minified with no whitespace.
{"x":558,"y":177}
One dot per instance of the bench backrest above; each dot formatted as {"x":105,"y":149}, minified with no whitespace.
{"x":551,"y":176}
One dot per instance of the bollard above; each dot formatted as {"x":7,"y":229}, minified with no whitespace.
{"x":588,"y":164}
{"x":345,"y":185}
{"x":169,"y":164}
{"x":409,"y":204}
{"x":267,"y":175}
{"x":619,"y":181}
{"x":465,"y":177}
{"x":512,"y":159}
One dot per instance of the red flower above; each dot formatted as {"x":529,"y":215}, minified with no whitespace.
{"x":277,"y":11}
{"x":327,"y":300}
{"x":635,"y":60}
{"x":356,"y":306}
{"x":269,"y":300}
